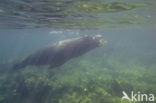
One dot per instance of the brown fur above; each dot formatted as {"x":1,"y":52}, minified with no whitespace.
{"x":61,"y":52}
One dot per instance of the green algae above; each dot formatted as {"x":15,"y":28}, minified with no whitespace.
{"x":93,"y":23}
{"x":47,"y":0}
{"x":76,"y":14}
{"x":2,"y":11}
{"x":90,"y":7}
{"x":90,"y":83}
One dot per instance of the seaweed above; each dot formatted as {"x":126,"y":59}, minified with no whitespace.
{"x":91,"y":7}
{"x":91,"y":82}
{"x":74,"y":14}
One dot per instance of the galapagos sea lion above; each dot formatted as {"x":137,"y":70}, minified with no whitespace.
{"x":62,"y":51}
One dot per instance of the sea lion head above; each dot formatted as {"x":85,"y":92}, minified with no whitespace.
{"x":99,"y":39}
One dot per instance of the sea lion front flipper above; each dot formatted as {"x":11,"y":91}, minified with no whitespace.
{"x":56,"y":64}
{"x":17,"y":66}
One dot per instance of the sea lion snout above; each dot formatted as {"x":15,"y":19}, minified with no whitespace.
{"x":100,"y":39}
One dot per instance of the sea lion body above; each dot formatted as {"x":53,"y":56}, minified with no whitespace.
{"x":61,"y":52}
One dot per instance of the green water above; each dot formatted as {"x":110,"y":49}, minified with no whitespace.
{"x":126,"y":63}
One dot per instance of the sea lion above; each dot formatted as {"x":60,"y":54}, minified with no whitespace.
{"x":62,"y":51}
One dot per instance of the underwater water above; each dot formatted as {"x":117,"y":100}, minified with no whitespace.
{"x":126,"y":63}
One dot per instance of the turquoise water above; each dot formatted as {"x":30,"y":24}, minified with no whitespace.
{"x":126,"y":63}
